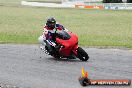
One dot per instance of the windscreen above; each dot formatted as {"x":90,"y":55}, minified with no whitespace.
{"x":63,"y":35}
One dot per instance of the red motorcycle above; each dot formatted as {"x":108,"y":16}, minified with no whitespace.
{"x":67,"y":47}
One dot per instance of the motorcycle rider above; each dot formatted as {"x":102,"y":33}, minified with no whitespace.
{"x":49,"y":33}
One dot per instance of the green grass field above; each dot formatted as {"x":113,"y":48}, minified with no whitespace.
{"x":23,"y":24}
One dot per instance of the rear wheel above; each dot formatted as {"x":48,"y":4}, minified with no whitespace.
{"x":82,"y":55}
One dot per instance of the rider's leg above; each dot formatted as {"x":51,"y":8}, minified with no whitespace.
{"x":50,"y":48}
{"x":41,"y":40}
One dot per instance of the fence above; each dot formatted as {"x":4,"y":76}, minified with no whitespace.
{"x":106,"y":5}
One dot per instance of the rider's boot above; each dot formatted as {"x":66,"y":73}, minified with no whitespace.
{"x":57,"y":47}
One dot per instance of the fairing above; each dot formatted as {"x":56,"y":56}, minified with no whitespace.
{"x":70,"y":45}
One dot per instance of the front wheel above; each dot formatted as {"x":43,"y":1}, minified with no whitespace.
{"x":82,"y":55}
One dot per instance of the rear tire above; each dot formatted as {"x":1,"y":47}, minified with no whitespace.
{"x":82,"y":55}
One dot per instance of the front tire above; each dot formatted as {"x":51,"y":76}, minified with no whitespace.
{"x":82,"y":55}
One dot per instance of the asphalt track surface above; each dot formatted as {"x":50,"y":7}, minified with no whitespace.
{"x":26,"y":66}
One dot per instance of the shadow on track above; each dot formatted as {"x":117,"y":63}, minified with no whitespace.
{"x":65,"y":60}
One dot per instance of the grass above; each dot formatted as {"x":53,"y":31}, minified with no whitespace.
{"x":21,"y":24}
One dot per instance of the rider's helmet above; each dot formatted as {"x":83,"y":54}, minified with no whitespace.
{"x":51,"y":22}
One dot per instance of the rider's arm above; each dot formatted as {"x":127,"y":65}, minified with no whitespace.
{"x":64,"y":29}
{"x":45,"y":31}
{"x":61,"y":27}
{"x":47,"y":34}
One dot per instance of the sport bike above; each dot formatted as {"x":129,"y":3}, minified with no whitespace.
{"x":66,"y":46}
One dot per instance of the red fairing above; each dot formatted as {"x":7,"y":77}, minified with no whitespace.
{"x":70,"y":45}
